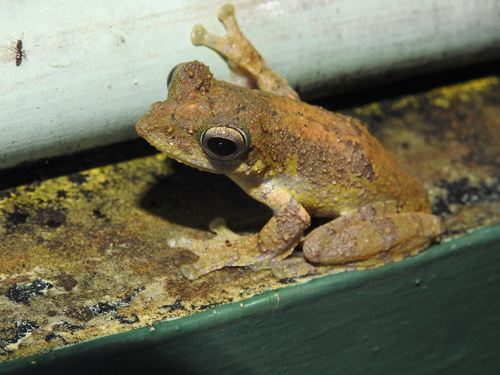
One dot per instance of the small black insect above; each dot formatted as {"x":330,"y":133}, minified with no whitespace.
{"x":19,"y":52}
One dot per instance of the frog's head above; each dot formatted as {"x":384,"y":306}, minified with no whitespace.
{"x":202,"y":123}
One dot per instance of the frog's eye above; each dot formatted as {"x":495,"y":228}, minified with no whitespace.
{"x":223,"y":143}
{"x":171,"y":76}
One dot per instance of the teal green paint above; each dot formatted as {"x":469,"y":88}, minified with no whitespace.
{"x":436,"y":313}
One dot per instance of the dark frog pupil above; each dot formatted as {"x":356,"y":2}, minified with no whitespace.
{"x":223,"y":143}
{"x":221,"y":146}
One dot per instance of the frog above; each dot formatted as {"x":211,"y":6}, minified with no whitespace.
{"x":298,"y":159}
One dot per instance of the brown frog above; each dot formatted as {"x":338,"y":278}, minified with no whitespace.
{"x":298,"y":159}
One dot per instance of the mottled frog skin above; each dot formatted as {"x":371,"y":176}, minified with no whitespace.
{"x":298,"y":159}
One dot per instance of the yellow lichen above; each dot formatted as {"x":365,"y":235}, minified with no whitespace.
{"x":442,"y":97}
{"x":370,"y":109}
{"x":407,"y":101}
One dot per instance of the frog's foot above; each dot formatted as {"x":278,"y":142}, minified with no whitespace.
{"x":210,"y":259}
{"x":365,"y":233}
{"x":225,"y":254}
{"x":229,"y":254}
{"x":227,"y":249}
{"x":294,"y":266}
{"x":217,"y":226}
{"x":241,"y":56}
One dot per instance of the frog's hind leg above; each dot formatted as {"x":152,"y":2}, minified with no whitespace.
{"x":242,"y":58}
{"x":371,"y":230}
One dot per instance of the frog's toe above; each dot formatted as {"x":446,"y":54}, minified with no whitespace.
{"x":176,"y":241}
{"x":218,"y":226}
{"x":198,"y":35}
{"x":190,"y":272}
{"x":292,"y":267}
{"x":287,"y":268}
{"x":225,"y":12}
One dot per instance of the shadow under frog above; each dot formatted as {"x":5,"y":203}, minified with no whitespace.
{"x":192,"y":198}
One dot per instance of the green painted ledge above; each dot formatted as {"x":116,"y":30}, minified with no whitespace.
{"x":435,"y":313}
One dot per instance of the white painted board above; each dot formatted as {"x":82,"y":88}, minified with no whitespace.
{"x":94,"y":67}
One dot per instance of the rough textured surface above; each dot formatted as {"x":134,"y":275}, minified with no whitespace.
{"x":435,"y":313}
{"x":83,"y":254}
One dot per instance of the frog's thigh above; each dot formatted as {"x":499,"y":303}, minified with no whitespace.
{"x":349,"y":239}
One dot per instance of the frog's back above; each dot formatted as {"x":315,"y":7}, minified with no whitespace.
{"x":331,"y":162}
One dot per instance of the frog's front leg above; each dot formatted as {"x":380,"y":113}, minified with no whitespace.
{"x":372,"y":229}
{"x":276,"y":240}
{"x":242,"y":58}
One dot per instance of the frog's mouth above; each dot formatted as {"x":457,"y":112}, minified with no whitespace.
{"x":160,"y":136}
